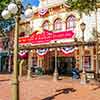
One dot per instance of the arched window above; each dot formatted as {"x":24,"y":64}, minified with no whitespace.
{"x":71,"y":22}
{"x":45,"y":25}
{"x":58,"y":24}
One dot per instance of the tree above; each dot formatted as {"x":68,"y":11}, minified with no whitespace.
{"x":83,"y":6}
{"x":4,"y":24}
{"x":3,"y":5}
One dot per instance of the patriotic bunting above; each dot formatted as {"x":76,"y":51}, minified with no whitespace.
{"x":43,"y":11}
{"x":23,"y":54}
{"x":67,"y":50}
{"x":42,"y":52}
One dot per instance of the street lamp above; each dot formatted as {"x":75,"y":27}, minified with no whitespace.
{"x":15,"y":9}
{"x":83,"y":77}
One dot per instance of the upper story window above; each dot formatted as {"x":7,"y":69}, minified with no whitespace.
{"x":71,"y":22}
{"x":45,"y":25}
{"x":58,"y":24}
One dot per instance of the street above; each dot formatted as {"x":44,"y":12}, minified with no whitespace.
{"x":44,"y":88}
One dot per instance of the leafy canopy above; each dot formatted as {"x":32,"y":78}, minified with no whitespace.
{"x":5,"y":25}
{"x":3,"y":4}
{"x":82,"y":5}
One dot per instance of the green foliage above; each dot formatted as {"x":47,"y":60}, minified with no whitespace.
{"x":3,"y":4}
{"x":5,"y":25}
{"x":82,"y":5}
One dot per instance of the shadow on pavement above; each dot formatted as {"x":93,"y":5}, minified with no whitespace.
{"x":98,"y":87}
{"x":97,"y":84}
{"x":61,"y":91}
{"x":3,"y":80}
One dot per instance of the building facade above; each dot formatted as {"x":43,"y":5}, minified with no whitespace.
{"x":55,"y":17}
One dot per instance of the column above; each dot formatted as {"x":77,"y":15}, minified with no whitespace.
{"x":29,"y":64}
{"x":80,"y":58}
{"x":92,"y":57}
{"x":21,"y":68}
{"x":9,"y":63}
{"x":0,"y":63}
{"x":56,"y":75}
{"x":38,"y":61}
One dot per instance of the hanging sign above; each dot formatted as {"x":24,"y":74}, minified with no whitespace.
{"x":45,"y":37}
{"x":42,"y":52}
{"x":67,"y":50}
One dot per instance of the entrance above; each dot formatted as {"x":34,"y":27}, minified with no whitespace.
{"x":64,"y":65}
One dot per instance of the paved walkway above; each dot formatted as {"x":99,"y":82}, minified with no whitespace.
{"x":44,"y":88}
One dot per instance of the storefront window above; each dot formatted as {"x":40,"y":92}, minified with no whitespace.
{"x":58,"y":24}
{"x":71,"y":22}
{"x":87,"y":63}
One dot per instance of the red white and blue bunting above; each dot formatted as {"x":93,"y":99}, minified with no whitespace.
{"x":67,"y":50}
{"x":23,"y":54}
{"x":42,"y":52}
{"x":43,"y":11}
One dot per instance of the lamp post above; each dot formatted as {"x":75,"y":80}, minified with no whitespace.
{"x":83,"y":77}
{"x":97,"y":46}
{"x":55,"y":75}
{"x":15,"y":9}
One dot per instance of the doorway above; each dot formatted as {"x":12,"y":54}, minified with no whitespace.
{"x":64,"y":65}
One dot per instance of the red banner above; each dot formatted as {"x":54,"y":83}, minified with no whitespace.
{"x":46,"y":37}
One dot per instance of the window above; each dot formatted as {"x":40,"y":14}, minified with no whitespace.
{"x":58,"y":24}
{"x":87,"y":63}
{"x":46,"y":25}
{"x":71,"y":22}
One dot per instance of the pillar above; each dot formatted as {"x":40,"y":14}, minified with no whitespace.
{"x":29,"y":64}
{"x":21,"y":68}
{"x":9,"y":63}
{"x":0,"y":63}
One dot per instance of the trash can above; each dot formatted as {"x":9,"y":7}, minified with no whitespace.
{"x":39,"y":71}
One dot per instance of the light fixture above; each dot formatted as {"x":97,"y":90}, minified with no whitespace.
{"x":82,"y":26}
{"x":5,"y":14}
{"x":28,"y":12}
{"x":12,"y":8}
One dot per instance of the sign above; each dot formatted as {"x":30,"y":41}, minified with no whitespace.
{"x":45,"y":37}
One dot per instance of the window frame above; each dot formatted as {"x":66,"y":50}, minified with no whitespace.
{"x":71,"y":22}
{"x":57,"y":25}
{"x":44,"y":26}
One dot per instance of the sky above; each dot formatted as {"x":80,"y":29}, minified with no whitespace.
{"x":32,"y":2}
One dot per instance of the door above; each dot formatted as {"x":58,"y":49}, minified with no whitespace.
{"x":64,"y":65}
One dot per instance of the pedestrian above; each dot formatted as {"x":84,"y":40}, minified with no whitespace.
{"x":75,"y":73}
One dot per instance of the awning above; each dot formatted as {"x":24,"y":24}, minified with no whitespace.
{"x":4,"y":53}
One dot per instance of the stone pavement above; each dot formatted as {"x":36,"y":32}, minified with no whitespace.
{"x":44,"y":88}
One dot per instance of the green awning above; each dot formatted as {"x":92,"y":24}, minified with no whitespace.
{"x":4,"y":53}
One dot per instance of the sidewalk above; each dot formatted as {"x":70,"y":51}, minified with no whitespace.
{"x":44,"y":88}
